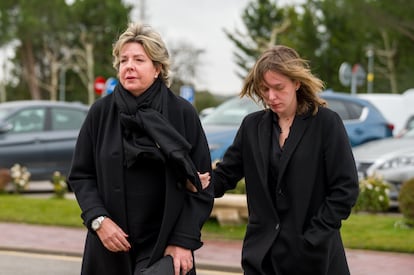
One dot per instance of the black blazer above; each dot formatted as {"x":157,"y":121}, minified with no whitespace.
{"x":96,"y":179}
{"x":316,"y":188}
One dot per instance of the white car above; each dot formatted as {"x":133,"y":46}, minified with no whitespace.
{"x":396,"y":108}
{"x":390,"y":158}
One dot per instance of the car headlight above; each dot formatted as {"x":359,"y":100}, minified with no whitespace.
{"x":397,"y":162}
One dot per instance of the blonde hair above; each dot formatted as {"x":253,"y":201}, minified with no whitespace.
{"x":152,"y":43}
{"x":286,"y":61}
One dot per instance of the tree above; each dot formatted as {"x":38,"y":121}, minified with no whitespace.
{"x":330,"y":32}
{"x":97,"y":25}
{"x":29,"y":22}
{"x":48,"y":30}
{"x":384,"y":27}
{"x":264,"y":22}
{"x":185,"y":62}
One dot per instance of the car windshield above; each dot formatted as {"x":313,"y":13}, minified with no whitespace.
{"x":231,"y":112}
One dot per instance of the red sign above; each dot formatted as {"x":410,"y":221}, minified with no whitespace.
{"x":99,"y":85}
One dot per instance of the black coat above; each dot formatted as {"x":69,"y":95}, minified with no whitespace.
{"x":96,"y":179}
{"x":317,"y":186}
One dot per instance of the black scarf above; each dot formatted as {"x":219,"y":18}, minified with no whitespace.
{"x":148,"y":134}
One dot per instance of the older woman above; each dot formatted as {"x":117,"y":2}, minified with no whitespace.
{"x":134,"y":171}
{"x":300,"y":175}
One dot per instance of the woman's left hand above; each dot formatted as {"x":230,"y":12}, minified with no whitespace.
{"x":182,"y":258}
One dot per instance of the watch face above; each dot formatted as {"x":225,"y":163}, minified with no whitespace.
{"x":95,"y":225}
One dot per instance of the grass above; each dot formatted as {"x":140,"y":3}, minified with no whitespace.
{"x":360,"y":231}
{"x":50,"y":211}
{"x":377,"y":232}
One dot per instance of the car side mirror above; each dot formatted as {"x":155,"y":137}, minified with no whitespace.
{"x":5,"y":127}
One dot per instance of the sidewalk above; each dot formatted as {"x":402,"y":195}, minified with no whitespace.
{"x":216,"y":255}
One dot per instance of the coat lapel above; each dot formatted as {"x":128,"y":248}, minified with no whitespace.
{"x":297,"y":131}
{"x":264,"y":137}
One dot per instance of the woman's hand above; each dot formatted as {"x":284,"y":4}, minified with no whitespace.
{"x":205,"y":182}
{"x":182,"y":258}
{"x":205,"y":179}
{"x":113,"y":237}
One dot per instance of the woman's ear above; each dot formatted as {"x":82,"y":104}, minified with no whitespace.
{"x":297,"y":85}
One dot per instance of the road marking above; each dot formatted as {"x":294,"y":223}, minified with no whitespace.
{"x":42,"y":256}
{"x":202,"y":271}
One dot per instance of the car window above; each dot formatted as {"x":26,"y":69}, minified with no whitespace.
{"x":410,"y":123}
{"x":28,"y":120}
{"x":345,"y":109}
{"x":231,"y":112}
{"x":67,"y":119}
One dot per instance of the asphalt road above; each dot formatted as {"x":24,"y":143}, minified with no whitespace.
{"x":22,"y":263}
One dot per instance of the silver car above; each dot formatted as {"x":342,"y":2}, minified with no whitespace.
{"x":390,"y":158}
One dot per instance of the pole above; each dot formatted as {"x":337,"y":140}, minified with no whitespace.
{"x":370,"y":75}
{"x":354,"y":79}
{"x":62,"y":83}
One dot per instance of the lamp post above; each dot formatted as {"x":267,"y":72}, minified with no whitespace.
{"x":62,"y":83}
{"x":370,"y":75}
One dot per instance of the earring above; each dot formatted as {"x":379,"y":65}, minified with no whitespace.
{"x":155,"y":76}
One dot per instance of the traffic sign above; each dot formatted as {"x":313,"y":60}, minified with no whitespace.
{"x":345,"y":74}
{"x":187,"y":92}
{"x":359,"y":73}
{"x":110,"y":85}
{"x":99,"y":85}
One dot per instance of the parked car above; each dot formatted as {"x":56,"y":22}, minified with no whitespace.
{"x":409,"y":124}
{"x":39,"y":135}
{"x":396,"y":108}
{"x":392,"y":159}
{"x":362,"y":120}
{"x":222,"y":123}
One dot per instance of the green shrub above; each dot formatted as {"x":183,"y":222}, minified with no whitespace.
{"x":60,"y":187}
{"x":240,"y":188}
{"x":373,"y":195}
{"x":406,"y":201}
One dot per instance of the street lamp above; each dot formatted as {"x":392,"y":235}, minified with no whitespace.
{"x":370,"y":75}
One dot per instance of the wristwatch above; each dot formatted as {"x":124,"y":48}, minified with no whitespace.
{"x":96,"y":223}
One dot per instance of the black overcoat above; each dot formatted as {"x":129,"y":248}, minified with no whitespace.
{"x":317,"y":186}
{"x":96,"y":178}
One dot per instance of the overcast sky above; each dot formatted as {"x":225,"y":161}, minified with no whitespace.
{"x":201,"y":23}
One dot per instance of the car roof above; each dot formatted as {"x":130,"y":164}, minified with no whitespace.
{"x":341,"y":95}
{"x":28,"y":103}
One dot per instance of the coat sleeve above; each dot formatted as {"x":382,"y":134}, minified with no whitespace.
{"x":82,"y":176}
{"x":197,"y":206}
{"x":342,"y":182}
{"x":229,"y":171}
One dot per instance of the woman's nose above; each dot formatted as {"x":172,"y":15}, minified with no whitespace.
{"x":272,"y":94}
{"x":129,"y":64}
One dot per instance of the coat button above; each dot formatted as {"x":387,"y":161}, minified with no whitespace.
{"x":277,"y":226}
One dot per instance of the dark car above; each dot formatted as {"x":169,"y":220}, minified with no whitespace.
{"x":39,"y":135}
{"x":362,"y":120}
